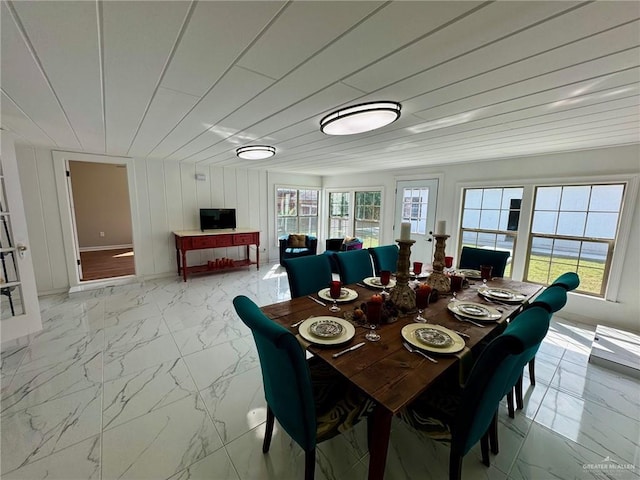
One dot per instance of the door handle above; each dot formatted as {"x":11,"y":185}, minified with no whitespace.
{"x":22,"y":249}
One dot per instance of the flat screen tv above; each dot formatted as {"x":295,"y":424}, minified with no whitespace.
{"x":217,"y":218}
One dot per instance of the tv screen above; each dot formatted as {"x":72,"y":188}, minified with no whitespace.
{"x":217,"y":218}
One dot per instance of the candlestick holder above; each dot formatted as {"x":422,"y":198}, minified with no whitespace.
{"x":402,"y":295}
{"x":437,"y":279}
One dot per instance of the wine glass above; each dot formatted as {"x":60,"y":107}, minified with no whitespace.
{"x":335,"y":290}
{"x":422,"y":302}
{"x":485,"y":273}
{"x":374,"y":310}
{"x":385,"y":278}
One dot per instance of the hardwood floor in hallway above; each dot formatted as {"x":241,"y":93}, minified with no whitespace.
{"x":107,"y":263}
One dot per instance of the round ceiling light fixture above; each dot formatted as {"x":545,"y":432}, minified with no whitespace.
{"x":256,"y":152}
{"x":360,"y":118}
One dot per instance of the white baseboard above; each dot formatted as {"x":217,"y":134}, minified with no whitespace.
{"x":105,"y":247}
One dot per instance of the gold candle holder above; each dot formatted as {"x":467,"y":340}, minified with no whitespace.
{"x":437,"y":279}
{"x":402,"y":295}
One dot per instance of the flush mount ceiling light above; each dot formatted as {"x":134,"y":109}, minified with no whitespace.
{"x":360,"y":118}
{"x":256,"y":152}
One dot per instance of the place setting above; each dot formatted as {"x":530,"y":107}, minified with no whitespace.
{"x":326,"y":330}
{"x":420,"y":338}
{"x":501,"y":295}
{"x":474,"y":312}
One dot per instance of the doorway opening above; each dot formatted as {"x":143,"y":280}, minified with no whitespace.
{"x":101,"y":219}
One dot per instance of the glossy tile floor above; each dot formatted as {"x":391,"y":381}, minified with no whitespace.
{"x":161,"y":380}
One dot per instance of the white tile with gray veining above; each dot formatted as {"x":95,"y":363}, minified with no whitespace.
{"x":161,"y":443}
{"x":139,"y":393}
{"x":133,"y":357}
{"x":50,"y":382}
{"x":160,"y":379}
{"x":31,"y":434}
{"x":79,"y":461}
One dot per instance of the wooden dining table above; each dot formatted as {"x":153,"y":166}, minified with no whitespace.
{"x":385,"y":370}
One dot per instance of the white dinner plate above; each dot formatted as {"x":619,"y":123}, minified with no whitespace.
{"x":475,"y":311}
{"x":347,"y":333}
{"x":501,"y":294}
{"x":471,"y":274}
{"x":409,"y":334}
{"x":346,"y":295}
{"x":375,"y":282}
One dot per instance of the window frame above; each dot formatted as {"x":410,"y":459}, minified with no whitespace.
{"x":511,"y":233}
{"x":611,"y":243}
{"x":352,"y":191}
{"x":629,"y":202}
{"x":297,"y":188}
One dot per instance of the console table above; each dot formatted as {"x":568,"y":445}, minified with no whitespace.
{"x":197,"y":240}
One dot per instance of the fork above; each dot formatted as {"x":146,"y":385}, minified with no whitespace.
{"x":294,"y":325}
{"x":415,"y":350}
{"x":463,"y":319}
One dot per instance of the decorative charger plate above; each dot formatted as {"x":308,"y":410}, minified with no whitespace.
{"x":501,"y":294}
{"x":375,"y":282}
{"x":320,"y":330}
{"x":326,"y":328}
{"x":346,"y":295}
{"x":472,"y":274}
{"x":416,"y":333}
{"x":475,"y":311}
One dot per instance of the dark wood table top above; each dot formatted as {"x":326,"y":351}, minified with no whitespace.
{"x":385,"y":370}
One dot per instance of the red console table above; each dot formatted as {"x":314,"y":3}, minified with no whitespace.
{"x":197,"y":240}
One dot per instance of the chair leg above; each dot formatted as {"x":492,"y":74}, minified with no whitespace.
{"x":518,"y":390}
{"x":309,"y":464}
{"x":493,"y":435}
{"x":369,"y":431}
{"x":268,"y":430}
{"x":532,"y":371}
{"x":510,"y":408}
{"x":455,"y":466}
{"x":484,"y":448}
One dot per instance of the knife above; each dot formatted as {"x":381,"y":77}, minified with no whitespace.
{"x":316,"y":300}
{"x":350,"y":349}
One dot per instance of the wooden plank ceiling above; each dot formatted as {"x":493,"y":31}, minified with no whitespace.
{"x":192,"y":81}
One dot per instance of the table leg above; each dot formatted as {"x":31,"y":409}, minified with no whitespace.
{"x":184,"y":265}
{"x":178,"y":259}
{"x":379,"y":444}
{"x":257,"y":256}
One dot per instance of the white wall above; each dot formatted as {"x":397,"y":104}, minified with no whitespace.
{"x":588,"y":165}
{"x":169,"y":198}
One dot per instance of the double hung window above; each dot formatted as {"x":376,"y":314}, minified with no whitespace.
{"x":296,"y":211}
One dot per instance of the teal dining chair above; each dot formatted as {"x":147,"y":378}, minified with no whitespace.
{"x":384,"y":257}
{"x":307,"y":275}
{"x":471,"y":258}
{"x":552,"y":299}
{"x":311,"y":402}
{"x":569,"y":280}
{"x":462,"y":416}
{"x":354,"y":265}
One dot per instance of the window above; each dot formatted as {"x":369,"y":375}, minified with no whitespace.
{"x":490,"y":218}
{"x":355,"y":214}
{"x":367,"y":218}
{"x":296,"y":211}
{"x":574,"y":228}
{"x":339,"y":214}
{"x":415,"y":202}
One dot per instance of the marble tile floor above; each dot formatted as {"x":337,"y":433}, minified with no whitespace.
{"x":161,"y":380}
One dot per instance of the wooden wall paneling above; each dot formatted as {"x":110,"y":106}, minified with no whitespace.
{"x":163,"y":245}
{"x":173,"y":193}
{"x":203,"y":198}
{"x":190,"y":208}
{"x":231,"y":193}
{"x":52,"y":220}
{"x":28,"y":171}
{"x":143,"y":252}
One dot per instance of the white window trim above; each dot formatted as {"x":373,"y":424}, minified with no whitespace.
{"x":352,"y":199}
{"x":278,"y":186}
{"x":526,"y":212}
